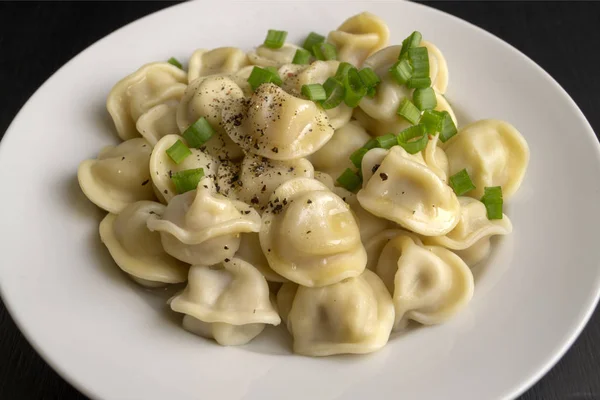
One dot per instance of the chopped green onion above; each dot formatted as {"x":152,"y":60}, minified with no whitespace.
{"x":325,"y":51}
{"x":173,"y":61}
{"x":418,"y":83}
{"x":355,"y":89}
{"x":401,"y":71}
{"x":492,"y":199}
{"x":461,"y":182}
{"x":187,"y":180}
{"x":178,"y":152}
{"x":301,"y":57}
{"x":371,"y":144}
{"x":198,"y":133}
{"x":349,"y":180}
{"x":314,"y":92}
{"x":272,"y":70}
{"x":387,"y":141}
{"x":414,"y":40}
{"x":369,"y":77}
{"x":413,"y":139}
{"x":342,"y":71}
{"x":448,"y":129}
{"x":357,"y":156}
{"x":432,"y":121}
{"x":312,"y":39}
{"x":275,"y":39}
{"x":419,"y":59}
{"x":334,"y":90}
{"x":425,"y":99}
{"x":371,"y":92}
{"x":259,"y":75}
{"x":408,"y":110}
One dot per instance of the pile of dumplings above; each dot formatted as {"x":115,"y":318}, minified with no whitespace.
{"x":268,"y":238}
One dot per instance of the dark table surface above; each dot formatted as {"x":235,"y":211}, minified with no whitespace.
{"x":37,"y":38}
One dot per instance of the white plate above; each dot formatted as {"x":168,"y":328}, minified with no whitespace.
{"x":113,"y":340}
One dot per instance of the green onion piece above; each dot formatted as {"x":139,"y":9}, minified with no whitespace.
{"x":425,"y":99}
{"x":492,"y":199}
{"x":355,"y":89}
{"x":414,"y":40}
{"x":371,"y":92}
{"x":448,"y":129}
{"x":334,"y":90}
{"x":371,"y":144}
{"x":349,"y":180}
{"x":301,"y":57}
{"x":369,"y":77}
{"x":178,"y":152}
{"x":325,"y":51}
{"x":408,"y":110}
{"x":419,"y":59}
{"x":342,"y":71}
{"x":387,"y":141}
{"x":173,"y":61}
{"x":413,"y":139}
{"x":259,"y":75}
{"x":187,"y":180}
{"x":461,"y":182}
{"x":418,"y":83}
{"x":357,"y":156}
{"x":432,"y":121}
{"x":401,"y":71}
{"x":275,"y":39}
{"x":312,"y":39}
{"x":314,"y":92}
{"x":198,"y":133}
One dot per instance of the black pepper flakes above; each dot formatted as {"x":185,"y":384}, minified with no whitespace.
{"x":383,"y":176}
{"x":145,"y":182}
{"x":254,"y":200}
{"x":375,"y":168}
{"x":275,"y":150}
{"x":227,"y":260}
{"x":309,"y":201}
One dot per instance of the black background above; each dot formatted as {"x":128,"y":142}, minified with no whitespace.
{"x":37,"y":38}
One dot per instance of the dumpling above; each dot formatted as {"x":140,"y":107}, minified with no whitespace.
{"x":435,"y":158}
{"x":207,"y":97}
{"x":401,"y":188}
{"x":251,"y":252}
{"x":276,"y":125}
{"x":353,"y":316}
{"x":157,"y":122}
{"x":494,"y":154}
{"x":228,"y":302}
{"x":470,"y":239}
{"x":334,"y":157}
{"x":119,"y":176}
{"x":296,"y":76}
{"x":376,"y":243}
{"x":310,"y":236}
{"x":219,"y":61}
{"x":137,"y":250}
{"x":430,"y":283}
{"x":285,"y":298}
{"x":358,"y":37}
{"x":257,"y":177}
{"x":149,"y":86}
{"x":162,"y":166}
{"x":368,"y":224}
{"x":203,"y":227}
{"x":264,"y":56}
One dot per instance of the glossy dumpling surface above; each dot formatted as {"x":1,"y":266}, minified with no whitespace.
{"x":157,"y":122}
{"x":219,"y":61}
{"x":264,"y":56}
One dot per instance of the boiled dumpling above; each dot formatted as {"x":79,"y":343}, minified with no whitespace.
{"x":207,"y":97}
{"x":149,"y":86}
{"x":494,"y":154}
{"x":157,"y":122}
{"x":435,"y":158}
{"x":470,"y":239}
{"x":228,"y":302}
{"x":401,"y":188}
{"x":251,"y":252}
{"x":352,"y":316}
{"x":334,"y":157}
{"x":257,"y":177}
{"x":310,"y":236}
{"x":202,"y":226}
{"x":285,"y":298}
{"x":137,"y":250}
{"x":376,"y":243}
{"x":162,"y":167}
{"x":358,"y":37}
{"x":264,"y":56}
{"x":219,"y":61}
{"x":430,"y":283}
{"x":277,"y":125}
{"x":119,"y":176}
